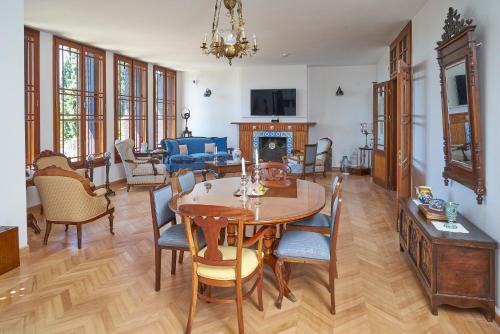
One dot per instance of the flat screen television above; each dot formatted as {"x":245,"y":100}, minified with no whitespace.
{"x":273,"y":102}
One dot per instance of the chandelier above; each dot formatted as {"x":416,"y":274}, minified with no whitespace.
{"x":230,"y":43}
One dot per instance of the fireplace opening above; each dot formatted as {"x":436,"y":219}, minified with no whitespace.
{"x":272,"y":148}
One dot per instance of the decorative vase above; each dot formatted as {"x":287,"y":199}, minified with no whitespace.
{"x":451,"y":214}
{"x":237,"y":154}
{"x":345,"y":165}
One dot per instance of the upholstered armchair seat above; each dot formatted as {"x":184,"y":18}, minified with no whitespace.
{"x":68,"y":199}
{"x":175,"y":237}
{"x":143,"y":171}
{"x":249,"y":262}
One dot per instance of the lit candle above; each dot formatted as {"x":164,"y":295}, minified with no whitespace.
{"x":243,"y":171}
{"x":217,"y":36}
{"x":243,"y":34}
{"x":257,"y":157}
{"x":205,"y":39}
{"x":215,"y":152}
{"x":254,"y":40}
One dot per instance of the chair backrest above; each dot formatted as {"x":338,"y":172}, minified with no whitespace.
{"x":212,"y":219}
{"x":125,"y":149}
{"x":310,"y":151}
{"x":336,"y":188}
{"x":335,"y":223}
{"x":160,"y":211}
{"x":324,"y":146}
{"x":184,"y":180}
{"x":48,"y":158}
{"x":64,"y":194}
{"x":272,"y":171}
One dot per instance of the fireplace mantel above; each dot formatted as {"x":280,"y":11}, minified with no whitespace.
{"x":299,"y":130}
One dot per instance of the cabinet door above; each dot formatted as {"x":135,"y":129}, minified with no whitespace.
{"x":413,"y":242}
{"x":425,"y":259}
{"x":403,"y":228}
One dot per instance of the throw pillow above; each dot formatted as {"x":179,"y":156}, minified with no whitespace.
{"x":209,"y":147}
{"x":183,"y":149}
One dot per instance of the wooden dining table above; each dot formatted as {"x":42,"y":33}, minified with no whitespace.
{"x":302,"y":199}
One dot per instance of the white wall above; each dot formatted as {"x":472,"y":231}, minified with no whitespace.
{"x":383,"y":72}
{"x":230,"y":100}
{"x":13,"y":190}
{"x":339,"y":117}
{"x":428,"y":158}
{"x":316,"y":100}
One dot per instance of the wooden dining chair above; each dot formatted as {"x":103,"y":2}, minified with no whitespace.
{"x":222,"y":266}
{"x":310,"y":248}
{"x":306,"y":165}
{"x":184,"y":180}
{"x":320,"y":222}
{"x":173,"y":236}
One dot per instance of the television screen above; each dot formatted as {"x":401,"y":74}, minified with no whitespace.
{"x":273,"y":102}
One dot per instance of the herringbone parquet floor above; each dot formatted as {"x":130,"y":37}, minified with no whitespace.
{"x":107,"y":286}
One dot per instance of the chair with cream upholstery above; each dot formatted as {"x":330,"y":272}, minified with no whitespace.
{"x":222,"y":266}
{"x":68,"y":199}
{"x":49,"y":158}
{"x":323,"y":157}
{"x":142,"y":171}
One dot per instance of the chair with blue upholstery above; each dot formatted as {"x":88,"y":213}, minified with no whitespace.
{"x":304,"y":165}
{"x":184,"y":180}
{"x":319,"y":222}
{"x":173,"y":237}
{"x":310,"y":248}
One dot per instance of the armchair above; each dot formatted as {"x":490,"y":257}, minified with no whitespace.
{"x":49,"y":158}
{"x":304,"y":165}
{"x":68,"y":199}
{"x":323,"y":156}
{"x":139,"y":171}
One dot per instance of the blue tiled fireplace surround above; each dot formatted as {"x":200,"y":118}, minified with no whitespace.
{"x":273,"y":134}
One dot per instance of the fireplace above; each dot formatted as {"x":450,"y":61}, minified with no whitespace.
{"x":272,"y":148}
{"x":272,"y":145}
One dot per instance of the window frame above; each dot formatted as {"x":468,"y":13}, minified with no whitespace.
{"x":33,"y":141}
{"x":83,"y":93}
{"x":166,"y":73}
{"x":132,"y":98}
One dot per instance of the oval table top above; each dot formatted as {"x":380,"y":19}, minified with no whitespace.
{"x":279,"y":205}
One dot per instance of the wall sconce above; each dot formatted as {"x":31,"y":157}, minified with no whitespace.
{"x":207,"y":93}
{"x":339,"y":92}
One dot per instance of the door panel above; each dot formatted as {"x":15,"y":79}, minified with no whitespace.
{"x":380,"y":134}
{"x":404,"y":130}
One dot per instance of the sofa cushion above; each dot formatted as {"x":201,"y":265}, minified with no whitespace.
{"x":181,"y":158}
{"x":202,"y":156}
{"x":183,"y":149}
{"x":221,"y":143}
{"x":195,"y":145}
{"x":147,"y":169}
{"x":172,"y":146}
{"x":209,"y":147}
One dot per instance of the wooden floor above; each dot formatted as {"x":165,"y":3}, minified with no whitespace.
{"x":107,"y":286}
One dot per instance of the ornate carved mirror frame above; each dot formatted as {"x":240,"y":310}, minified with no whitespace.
{"x":462,"y":139}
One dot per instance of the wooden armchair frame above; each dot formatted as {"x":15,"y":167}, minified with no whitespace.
{"x":49,"y":153}
{"x":59,"y":172}
{"x":303,"y":162}
{"x":175,"y":179}
{"x":273,"y":174}
{"x":211,"y":219}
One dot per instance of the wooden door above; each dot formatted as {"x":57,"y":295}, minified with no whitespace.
{"x":403,"y":130}
{"x":381,"y":151}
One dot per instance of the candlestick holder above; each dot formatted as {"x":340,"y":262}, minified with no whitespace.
{"x":243,"y":188}
{"x":107,"y":161}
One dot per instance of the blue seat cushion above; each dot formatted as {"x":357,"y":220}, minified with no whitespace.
{"x":182,"y":158}
{"x":202,"y":156}
{"x":175,"y":237}
{"x":304,"y":245}
{"x":318,"y":220}
{"x":298,"y":168}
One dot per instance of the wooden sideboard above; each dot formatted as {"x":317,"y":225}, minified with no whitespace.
{"x":300,"y":132}
{"x":9,"y":248}
{"x":453,"y":268}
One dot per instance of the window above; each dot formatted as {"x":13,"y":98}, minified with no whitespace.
{"x":131,"y":100}
{"x":165,"y":110}
{"x":79,"y":101}
{"x":31,"y":95}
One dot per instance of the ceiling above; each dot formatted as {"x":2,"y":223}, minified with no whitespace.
{"x":169,"y":32}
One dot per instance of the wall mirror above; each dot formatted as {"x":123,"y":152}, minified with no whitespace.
{"x":460,"y":104}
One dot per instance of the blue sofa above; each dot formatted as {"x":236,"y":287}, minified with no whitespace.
{"x":196,"y":152}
